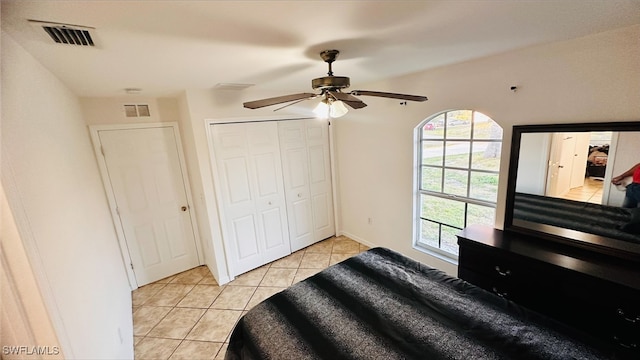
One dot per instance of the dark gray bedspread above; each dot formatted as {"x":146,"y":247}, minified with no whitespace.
{"x":382,"y":305}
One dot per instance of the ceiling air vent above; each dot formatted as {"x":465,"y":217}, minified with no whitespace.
{"x":67,"y":33}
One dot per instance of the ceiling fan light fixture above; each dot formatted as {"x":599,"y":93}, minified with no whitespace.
{"x":332,"y":109}
{"x":337,"y":109}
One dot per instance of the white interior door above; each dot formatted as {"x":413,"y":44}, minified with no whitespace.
{"x":560,"y":164}
{"x":146,"y":177}
{"x":580,"y":155}
{"x":320,"y":179}
{"x":307,"y":178}
{"x":295,"y":166}
{"x":249,"y":172}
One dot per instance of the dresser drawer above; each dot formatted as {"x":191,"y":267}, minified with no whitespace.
{"x":504,"y":267}
{"x":488,"y":264}
{"x":490,"y":283}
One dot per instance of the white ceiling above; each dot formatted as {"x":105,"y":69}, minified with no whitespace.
{"x":164,"y":47}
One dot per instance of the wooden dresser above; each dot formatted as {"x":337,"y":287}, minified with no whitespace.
{"x":594,"y":293}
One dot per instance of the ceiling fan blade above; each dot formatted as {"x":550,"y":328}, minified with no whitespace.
{"x":277,"y":100}
{"x":355,"y":104}
{"x":389,"y":95}
{"x":293,"y":103}
{"x":348,"y":99}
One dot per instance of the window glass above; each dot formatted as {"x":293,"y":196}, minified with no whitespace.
{"x":484,"y":186}
{"x":457,"y":154}
{"x":431,"y":179}
{"x":445,"y":211}
{"x":486,"y":155}
{"x":458,"y":173}
{"x":432,"y":152}
{"x":455,"y":182}
{"x":434,"y":128}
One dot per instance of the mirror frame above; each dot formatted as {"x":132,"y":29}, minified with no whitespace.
{"x":573,"y":238}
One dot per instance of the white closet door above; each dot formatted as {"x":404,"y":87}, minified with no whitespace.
{"x":250,"y":174}
{"x":320,"y":179}
{"x":296,"y":178}
{"x":307,"y":177}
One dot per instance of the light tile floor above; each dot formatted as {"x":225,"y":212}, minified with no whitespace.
{"x":590,"y":191}
{"x":190,"y":316}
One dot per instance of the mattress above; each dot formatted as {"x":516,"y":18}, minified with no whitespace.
{"x":382,"y":305}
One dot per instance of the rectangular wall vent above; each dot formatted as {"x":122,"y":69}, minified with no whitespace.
{"x":136,"y":111}
{"x":67,"y":33}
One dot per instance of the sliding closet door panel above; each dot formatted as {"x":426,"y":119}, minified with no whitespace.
{"x":306,"y":162}
{"x":274,"y":237}
{"x":250,"y":177}
{"x":296,"y":180}
{"x":299,"y":204}
{"x":296,"y":159}
{"x":302,"y":219}
{"x":320,"y":186}
{"x":238,"y":181}
{"x":244,"y":234}
{"x":317,"y":172}
{"x":270,"y":196}
{"x":240,"y":225}
{"x":267,"y":178}
{"x":322,"y":212}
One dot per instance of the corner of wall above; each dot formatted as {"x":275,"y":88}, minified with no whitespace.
{"x":196,"y":149}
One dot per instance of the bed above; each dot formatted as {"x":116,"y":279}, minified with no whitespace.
{"x":382,"y":305}
{"x":597,"y":161}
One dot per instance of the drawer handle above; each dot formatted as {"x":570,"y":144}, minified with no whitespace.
{"x":499,"y":293}
{"x":625,"y":345}
{"x":625,"y":317}
{"x":501,"y":272}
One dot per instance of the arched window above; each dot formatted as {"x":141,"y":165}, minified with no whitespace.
{"x":457,"y":173}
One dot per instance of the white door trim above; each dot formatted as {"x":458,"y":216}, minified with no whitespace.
{"x":102,"y":165}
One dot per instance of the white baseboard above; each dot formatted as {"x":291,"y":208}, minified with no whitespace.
{"x":357,"y":238}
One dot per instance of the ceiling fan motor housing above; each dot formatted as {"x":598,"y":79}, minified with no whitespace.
{"x":330,"y":82}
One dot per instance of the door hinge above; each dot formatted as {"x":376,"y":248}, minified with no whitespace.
{"x":102,"y":150}
{"x":131,"y":265}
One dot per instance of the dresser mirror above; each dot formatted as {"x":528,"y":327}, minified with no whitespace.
{"x":560,"y":189}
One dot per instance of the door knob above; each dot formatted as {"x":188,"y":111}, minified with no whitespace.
{"x":184,"y":208}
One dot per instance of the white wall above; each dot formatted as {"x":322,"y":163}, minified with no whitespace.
{"x":53,"y":188}
{"x":627,"y":154}
{"x":591,"y":79}
{"x":197,"y":159}
{"x":533,"y":161}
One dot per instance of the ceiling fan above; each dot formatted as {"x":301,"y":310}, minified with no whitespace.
{"x":333,"y":99}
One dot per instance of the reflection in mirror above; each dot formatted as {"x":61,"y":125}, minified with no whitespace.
{"x":563,"y":182}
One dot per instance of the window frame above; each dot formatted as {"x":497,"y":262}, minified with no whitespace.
{"x":466,"y":200}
